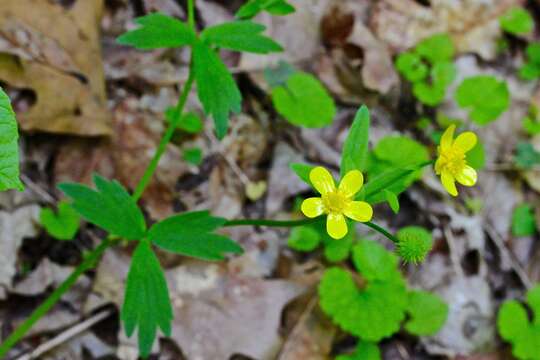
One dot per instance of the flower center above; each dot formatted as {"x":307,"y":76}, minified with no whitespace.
{"x":335,"y":202}
{"x":453,"y":161}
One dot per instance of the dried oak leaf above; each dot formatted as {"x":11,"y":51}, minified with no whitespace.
{"x":472,"y":24}
{"x":55,"y":52}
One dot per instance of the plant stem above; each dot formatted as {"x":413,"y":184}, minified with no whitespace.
{"x":191,"y":14}
{"x":41,"y":310}
{"x":271,"y":223}
{"x":382,"y":230}
{"x":151,"y":168}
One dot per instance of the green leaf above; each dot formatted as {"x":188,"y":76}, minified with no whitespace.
{"x":436,"y":48}
{"x":443,"y":74}
{"x":274,"y":7}
{"x":355,"y":149}
{"x":517,"y":21}
{"x":302,"y":171}
{"x":428,"y":313}
{"x":374,"y":262}
{"x":371,"y":313}
{"x":429,"y":94}
{"x":240,"y":36}
{"x":485,"y":96}
{"x":523,"y":221}
{"x":215,"y":86}
{"x":304,"y":238}
{"x":531,"y":69}
{"x":527,"y":157}
{"x":9,"y":149}
{"x":158,"y":31}
{"x":110,"y":207}
{"x":193,"y":156}
{"x":392,"y":200}
{"x":191,"y":234}
{"x":411,"y":66}
{"x":364,"y":351}
{"x":337,"y":250}
{"x":373,"y":191}
{"x":278,"y":76}
{"x":415,"y":242}
{"x":512,"y":320}
{"x":533,"y":299}
{"x":190,"y":121}
{"x":63,"y":225}
{"x":531,"y":125}
{"x":146,"y":301}
{"x":476,"y":157}
{"x":303,"y":101}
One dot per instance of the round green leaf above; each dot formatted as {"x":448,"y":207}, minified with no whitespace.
{"x":517,"y":21}
{"x":428,"y":313}
{"x":304,"y":238}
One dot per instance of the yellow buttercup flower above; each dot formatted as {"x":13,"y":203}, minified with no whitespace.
{"x":451,"y":164}
{"x":336,"y":202}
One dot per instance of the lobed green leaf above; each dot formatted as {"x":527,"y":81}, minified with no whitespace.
{"x":109,"y":207}
{"x":273,"y":7}
{"x":240,"y":36}
{"x":62,"y":225}
{"x":158,"y":31}
{"x":191,"y":234}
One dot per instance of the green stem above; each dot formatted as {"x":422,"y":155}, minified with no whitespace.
{"x":151,"y":168}
{"x":271,"y":223}
{"x":191,"y":14}
{"x":88,"y":263}
{"x":382,"y":230}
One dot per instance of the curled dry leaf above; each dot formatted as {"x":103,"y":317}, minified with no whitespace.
{"x":55,"y":52}
{"x":472,"y":24}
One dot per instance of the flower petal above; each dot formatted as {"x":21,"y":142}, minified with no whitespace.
{"x":449,"y":183}
{"x":312,"y":207}
{"x":322,"y":180}
{"x":466,"y":141}
{"x":351,"y":183}
{"x":447,"y":138}
{"x":359,"y":211}
{"x":336,"y":226}
{"x":467,"y":177}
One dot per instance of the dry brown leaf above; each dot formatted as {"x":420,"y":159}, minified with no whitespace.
{"x":56,"y":53}
{"x":473,"y":24}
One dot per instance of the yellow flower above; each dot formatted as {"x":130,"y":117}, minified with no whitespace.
{"x":451,"y":164}
{"x":336,"y":202}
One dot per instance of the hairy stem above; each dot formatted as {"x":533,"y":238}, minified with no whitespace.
{"x":88,"y":263}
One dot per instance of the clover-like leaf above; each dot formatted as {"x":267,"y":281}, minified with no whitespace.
{"x":62,"y":225}
{"x":411,"y":66}
{"x":428,"y":313}
{"x":158,"y":31}
{"x":436,"y":48}
{"x":355,"y":149}
{"x":374,"y":262}
{"x":371,"y":313}
{"x":215,"y":86}
{"x":517,"y":21}
{"x":9,"y":148}
{"x":146,"y":301}
{"x":485,"y":96}
{"x":109,"y":207}
{"x":273,"y":7}
{"x":191,"y":234}
{"x":304,"y":101}
{"x":364,"y":351}
{"x":240,"y":36}
{"x":304,"y":238}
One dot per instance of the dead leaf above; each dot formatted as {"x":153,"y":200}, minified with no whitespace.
{"x":56,"y":53}
{"x":472,"y":24}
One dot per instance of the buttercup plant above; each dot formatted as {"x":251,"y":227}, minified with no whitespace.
{"x":111,"y":207}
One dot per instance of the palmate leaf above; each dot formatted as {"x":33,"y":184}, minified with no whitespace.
{"x":9,"y":149}
{"x":215,"y":86}
{"x":146,"y":302}
{"x":158,"y":31}
{"x":109,"y":207}
{"x":191,"y":234}
{"x":240,"y":36}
